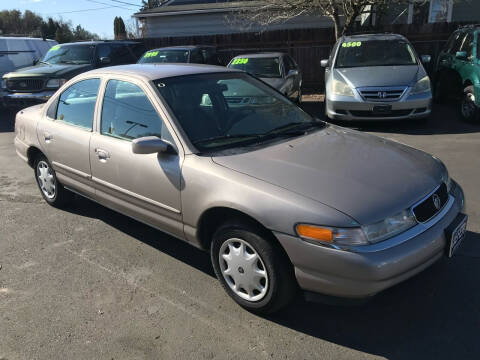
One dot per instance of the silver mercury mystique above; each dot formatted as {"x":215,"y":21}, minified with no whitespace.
{"x":281,"y":200}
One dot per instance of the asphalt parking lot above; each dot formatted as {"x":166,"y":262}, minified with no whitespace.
{"x":88,"y":283}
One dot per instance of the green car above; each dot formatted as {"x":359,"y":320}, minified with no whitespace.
{"x":457,"y":72}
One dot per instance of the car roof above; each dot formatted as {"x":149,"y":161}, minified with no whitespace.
{"x":261,"y":55}
{"x":367,"y":37}
{"x":184,"y":47}
{"x":23,"y":38}
{"x":101,"y":42}
{"x":160,"y":71}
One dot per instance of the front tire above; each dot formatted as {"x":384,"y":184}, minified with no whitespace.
{"x":468,"y":108}
{"x":51,"y":189}
{"x":252,"y":269}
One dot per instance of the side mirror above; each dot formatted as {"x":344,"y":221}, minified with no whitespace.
{"x":426,"y":59}
{"x":461,"y":55}
{"x":292,"y":73}
{"x":324,"y":63}
{"x":151,"y":145}
{"x":105,"y":60}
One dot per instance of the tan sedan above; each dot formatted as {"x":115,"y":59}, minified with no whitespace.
{"x":219,"y":159}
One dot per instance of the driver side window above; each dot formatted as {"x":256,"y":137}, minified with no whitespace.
{"x":128,"y":114}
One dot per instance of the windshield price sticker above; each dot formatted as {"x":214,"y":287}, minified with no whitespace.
{"x":55,"y":48}
{"x":151,"y":54}
{"x":240,"y":61}
{"x":352,"y":44}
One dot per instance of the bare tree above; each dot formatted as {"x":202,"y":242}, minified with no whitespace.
{"x":342,"y":12}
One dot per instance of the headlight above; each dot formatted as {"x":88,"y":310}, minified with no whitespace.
{"x":422,"y":86}
{"x":341,"y":88}
{"x":389,"y":227}
{"x":55,"y":83}
{"x":369,"y":234}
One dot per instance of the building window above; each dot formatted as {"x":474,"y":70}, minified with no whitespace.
{"x":440,"y":11}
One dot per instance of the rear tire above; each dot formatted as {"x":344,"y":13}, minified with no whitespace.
{"x":467,"y":107}
{"x":253,"y":270}
{"x":51,"y":189}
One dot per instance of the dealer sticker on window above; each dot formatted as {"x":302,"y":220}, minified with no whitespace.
{"x":151,"y":54}
{"x":352,"y":44}
{"x":240,"y":61}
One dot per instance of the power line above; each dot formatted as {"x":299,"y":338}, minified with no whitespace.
{"x":117,"y":6}
{"x":76,"y":11}
{"x":127,"y":3}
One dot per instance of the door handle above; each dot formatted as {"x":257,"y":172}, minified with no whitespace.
{"x":48,"y":137}
{"x":102,"y":154}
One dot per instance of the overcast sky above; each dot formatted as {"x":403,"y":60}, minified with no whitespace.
{"x":94,"y":15}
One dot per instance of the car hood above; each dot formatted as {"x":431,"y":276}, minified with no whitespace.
{"x":379,"y":75}
{"x":46,"y":70}
{"x":276,"y":83}
{"x":361,"y":175}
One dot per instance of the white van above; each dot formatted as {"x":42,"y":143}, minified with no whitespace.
{"x":19,"y":52}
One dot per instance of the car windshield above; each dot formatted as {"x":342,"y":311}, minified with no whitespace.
{"x":260,"y":67}
{"x":226,"y":110}
{"x":69,"y":54}
{"x":375,"y":53}
{"x":165,"y":56}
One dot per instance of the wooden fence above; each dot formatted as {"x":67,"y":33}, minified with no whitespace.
{"x":309,"y":46}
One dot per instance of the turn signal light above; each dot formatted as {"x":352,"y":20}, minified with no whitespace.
{"x":315,"y":232}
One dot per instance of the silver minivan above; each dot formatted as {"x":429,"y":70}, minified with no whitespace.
{"x":20,"y":52}
{"x":376,"y":77}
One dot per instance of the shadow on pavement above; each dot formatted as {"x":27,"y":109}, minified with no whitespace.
{"x":434,"y":315}
{"x":165,"y":243}
{"x":7,"y":120}
{"x":444,"y":120}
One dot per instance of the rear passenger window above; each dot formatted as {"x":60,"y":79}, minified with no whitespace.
{"x":128,"y":114}
{"x":76,"y":105}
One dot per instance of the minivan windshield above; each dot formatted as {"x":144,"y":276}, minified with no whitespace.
{"x":226,"y":110}
{"x":260,"y":67}
{"x":165,"y":56}
{"x":69,"y":54}
{"x":375,"y":53}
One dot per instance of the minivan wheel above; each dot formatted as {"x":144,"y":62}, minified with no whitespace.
{"x":252,"y":269}
{"x":51,"y":189}
{"x":468,"y":108}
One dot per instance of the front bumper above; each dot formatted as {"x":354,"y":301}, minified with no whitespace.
{"x":355,"y":108}
{"x":373,"y":268}
{"x":22,"y":100}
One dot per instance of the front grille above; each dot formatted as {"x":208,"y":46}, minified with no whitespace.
{"x":371,"y":114}
{"x":384,"y":94}
{"x":432,"y":205}
{"x":25,"y":85}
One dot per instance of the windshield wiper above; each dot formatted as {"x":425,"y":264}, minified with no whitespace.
{"x":294,"y":128}
{"x":290,"y":129}
{"x":226,"y":137}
